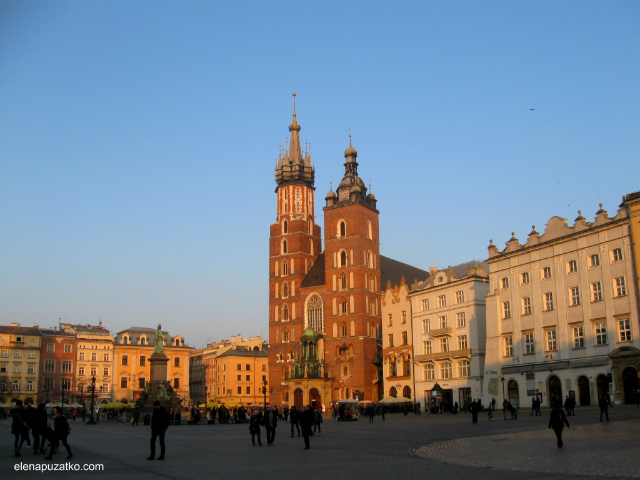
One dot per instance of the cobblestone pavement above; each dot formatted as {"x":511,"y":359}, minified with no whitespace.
{"x":590,"y":450}
{"x":410,"y":447}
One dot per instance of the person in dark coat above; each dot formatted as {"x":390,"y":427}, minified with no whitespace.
{"x":603,"y":403}
{"x":60,"y":432}
{"x":306,"y":422}
{"x":39,"y":429}
{"x":254,"y":427}
{"x":474,"y":408}
{"x":270,"y":422}
{"x":19,"y":427}
{"x":135,"y":416}
{"x":159,"y":425}
{"x":295,"y":420}
{"x":317,"y":421}
{"x":557,"y":421}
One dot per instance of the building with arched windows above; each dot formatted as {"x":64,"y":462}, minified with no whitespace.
{"x":324,"y":304}
{"x":325,"y":333}
{"x":562,"y":313}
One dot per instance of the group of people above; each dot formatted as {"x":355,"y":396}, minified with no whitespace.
{"x":28,"y":421}
{"x":305,"y":420}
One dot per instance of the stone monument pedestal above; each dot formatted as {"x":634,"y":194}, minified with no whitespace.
{"x":158,"y":386}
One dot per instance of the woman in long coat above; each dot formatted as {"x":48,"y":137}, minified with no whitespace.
{"x":557,"y":421}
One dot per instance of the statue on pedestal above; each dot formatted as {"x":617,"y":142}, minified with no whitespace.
{"x":159,"y":348}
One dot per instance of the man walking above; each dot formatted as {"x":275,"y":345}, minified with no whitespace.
{"x":473,"y":408}
{"x":60,"y":433}
{"x":603,"y":403}
{"x":295,"y":420}
{"x":271,"y":423}
{"x":306,"y":420}
{"x":159,"y":425}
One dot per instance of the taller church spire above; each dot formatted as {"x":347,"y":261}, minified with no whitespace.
{"x":292,"y":167}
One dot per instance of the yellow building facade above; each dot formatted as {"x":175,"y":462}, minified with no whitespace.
{"x":132,"y":370}
{"x":242,"y":374}
{"x":19,"y":363}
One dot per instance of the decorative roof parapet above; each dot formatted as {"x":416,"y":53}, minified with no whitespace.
{"x":556,"y":227}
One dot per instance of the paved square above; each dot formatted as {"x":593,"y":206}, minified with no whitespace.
{"x":442,"y":447}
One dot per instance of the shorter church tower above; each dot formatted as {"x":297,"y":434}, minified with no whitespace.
{"x":352,"y":273}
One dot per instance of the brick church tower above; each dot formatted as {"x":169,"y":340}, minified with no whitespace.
{"x":352,"y":273}
{"x":324,"y":307}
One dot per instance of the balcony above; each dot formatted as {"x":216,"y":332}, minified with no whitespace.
{"x":442,"y":332}
{"x":464,"y":353}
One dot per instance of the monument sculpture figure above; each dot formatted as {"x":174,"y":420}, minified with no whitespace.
{"x":159,"y":348}
{"x":162,"y":391}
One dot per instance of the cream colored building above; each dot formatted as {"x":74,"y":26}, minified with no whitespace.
{"x":94,"y":346}
{"x":397,"y":342}
{"x":562,"y":314}
{"x":19,"y":363}
{"x":449,"y":334}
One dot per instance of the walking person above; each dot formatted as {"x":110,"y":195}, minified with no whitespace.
{"x":61,"y":431}
{"x":306,"y":420}
{"x":474,"y":408}
{"x":604,"y":403}
{"x":271,"y":423}
{"x":295,"y":420}
{"x":39,"y":429}
{"x":19,"y":427}
{"x":557,"y":421}
{"x":317,"y":421}
{"x":159,"y":425}
{"x":135,"y":415}
{"x":254,"y":427}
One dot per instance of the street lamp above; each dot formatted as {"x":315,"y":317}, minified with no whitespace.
{"x":503,"y":395}
{"x":62,"y":401}
{"x":93,"y":391}
{"x":264,"y":391}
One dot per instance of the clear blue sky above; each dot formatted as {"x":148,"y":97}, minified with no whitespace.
{"x":139,"y":139}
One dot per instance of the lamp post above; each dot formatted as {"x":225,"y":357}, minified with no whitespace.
{"x":93,"y":391}
{"x":62,"y":401}
{"x":264,"y":391}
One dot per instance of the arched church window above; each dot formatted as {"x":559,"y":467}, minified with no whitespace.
{"x":285,"y":336}
{"x":285,"y":268}
{"x":285,"y":226}
{"x":342,"y":228}
{"x":343,"y":306}
{"x":285,"y":290}
{"x":284,"y":246}
{"x":314,"y":313}
{"x":344,"y":329}
{"x":285,"y":312}
{"x":343,"y":259}
{"x":369,"y":231}
{"x":343,"y":281}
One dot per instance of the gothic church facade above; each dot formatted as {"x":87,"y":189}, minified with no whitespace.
{"x":324,"y":305}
